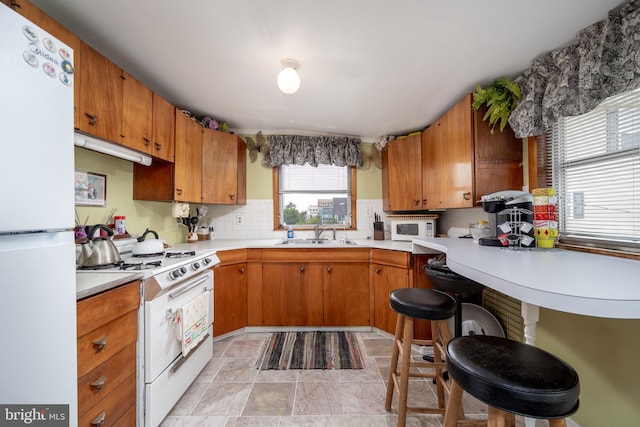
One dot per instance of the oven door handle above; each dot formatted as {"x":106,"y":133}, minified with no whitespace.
{"x":190,"y":285}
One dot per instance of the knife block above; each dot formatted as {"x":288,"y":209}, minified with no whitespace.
{"x":378,"y":231}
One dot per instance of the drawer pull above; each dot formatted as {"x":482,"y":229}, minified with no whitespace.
{"x":99,"y":420}
{"x":158,"y":146}
{"x":100,"y":344}
{"x":147,"y":141}
{"x":92,"y":119}
{"x":378,"y":270}
{"x":329,"y":269}
{"x":301,"y":268}
{"x":98,"y":384}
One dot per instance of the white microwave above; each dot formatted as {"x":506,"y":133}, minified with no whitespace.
{"x":408,"y":227}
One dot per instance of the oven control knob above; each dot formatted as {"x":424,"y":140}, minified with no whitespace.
{"x":206,"y":261}
{"x":195,"y":265}
{"x":177,"y":272}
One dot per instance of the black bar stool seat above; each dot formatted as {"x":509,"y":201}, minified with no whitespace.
{"x":420,"y":303}
{"x":513,"y":377}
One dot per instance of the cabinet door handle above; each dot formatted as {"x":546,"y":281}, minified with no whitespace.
{"x":92,"y":119}
{"x":329,"y":269}
{"x":14,"y":4}
{"x":99,"y":420}
{"x":424,"y":202}
{"x":301,"y":268}
{"x":466,"y":196}
{"x":241,"y":270}
{"x":100,"y":344}
{"x":378,"y":270}
{"x":179,"y":191}
{"x":158,"y":146}
{"x":232,"y":196}
{"x":416,"y":202}
{"x":147,"y":141}
{"x":98,"y":384}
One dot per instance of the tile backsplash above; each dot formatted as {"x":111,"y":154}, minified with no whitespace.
{"x":255,"y":220}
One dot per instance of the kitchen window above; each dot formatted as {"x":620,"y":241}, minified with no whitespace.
{"x":307,"y":195}
{"x":596,"y":169}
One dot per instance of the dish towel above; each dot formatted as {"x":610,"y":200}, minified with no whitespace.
{"x":193,"y":321}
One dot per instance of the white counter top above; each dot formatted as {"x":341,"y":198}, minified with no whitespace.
{"x":230,"y":244}
{"x":91,"y":282}
{"x":569,"y":281}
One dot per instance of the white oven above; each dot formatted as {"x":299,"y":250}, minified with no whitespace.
{"x":408,"y":227}
{"x":167,"y":373}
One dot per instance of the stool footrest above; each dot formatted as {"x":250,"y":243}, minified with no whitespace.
{"x":422,"y":410}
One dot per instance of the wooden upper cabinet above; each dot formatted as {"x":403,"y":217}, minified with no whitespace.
{"x":164,"y":126}
{"x":100,"y":95}
{"x":53,"y":27}
{"x":188,"y":163}
{"x":462,"y":161}
{"x":137,"y":104}
{"x":498,"y":162}
{"x":449,"y":160}
{"x":223,"y":168}
{"x":402,"y":175}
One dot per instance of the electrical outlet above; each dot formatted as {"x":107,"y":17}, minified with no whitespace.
{"x":369,"y":212}
{"x":239,"y":219}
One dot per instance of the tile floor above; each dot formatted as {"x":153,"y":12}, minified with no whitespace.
{"x":230,"y":391}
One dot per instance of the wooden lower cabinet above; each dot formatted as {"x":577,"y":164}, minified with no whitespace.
{"x":389,"y":270}
{"x":346,"y":292}
{"x":422,"y":328}
{"x":230,"y":292}
{"x":292,"y":294}
{"x":313,"y":287}
{"x":107,"y":326}
{"x":310,"y":287}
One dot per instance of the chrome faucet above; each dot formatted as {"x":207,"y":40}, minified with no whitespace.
{"x":319,"y":230}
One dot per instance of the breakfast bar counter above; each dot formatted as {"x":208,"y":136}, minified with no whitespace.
{"x":569,"y":281}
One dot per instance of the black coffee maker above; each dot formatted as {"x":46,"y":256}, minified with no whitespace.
{"x":510,"y":219}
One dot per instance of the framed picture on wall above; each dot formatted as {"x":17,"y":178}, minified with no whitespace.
{"x":90,"y":189}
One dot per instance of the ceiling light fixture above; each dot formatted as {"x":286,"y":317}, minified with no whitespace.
{"x":288,"y":78}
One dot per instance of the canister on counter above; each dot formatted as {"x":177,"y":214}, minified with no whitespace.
{"x":119,"y":224}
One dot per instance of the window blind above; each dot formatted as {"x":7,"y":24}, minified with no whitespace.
{"x":596,"y":170}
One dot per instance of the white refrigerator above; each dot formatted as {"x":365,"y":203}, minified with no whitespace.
{"x":38,"y":369}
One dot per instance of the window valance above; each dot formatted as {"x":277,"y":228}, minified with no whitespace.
{"x":575,"y":79}
{"x":314,"y":150}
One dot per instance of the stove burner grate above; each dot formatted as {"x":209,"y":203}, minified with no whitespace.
{"x":101,"y":266}
{"x":184,"y":254}
{"x":155,"y":254}
{"x":141,"y":265}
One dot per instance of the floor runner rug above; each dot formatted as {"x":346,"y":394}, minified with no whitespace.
{"x":311,"y":350}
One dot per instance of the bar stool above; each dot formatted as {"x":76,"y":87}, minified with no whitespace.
{"x":410,"y":304}
{"x":512,"y":378}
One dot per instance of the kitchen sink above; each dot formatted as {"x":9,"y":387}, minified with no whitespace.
{"x":318,"y":242}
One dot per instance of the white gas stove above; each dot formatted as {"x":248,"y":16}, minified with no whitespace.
{"x":171,"y":282}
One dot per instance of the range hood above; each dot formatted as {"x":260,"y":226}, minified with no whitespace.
{"x":115,"y":150}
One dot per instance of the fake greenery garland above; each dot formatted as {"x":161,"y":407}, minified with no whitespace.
{"x":500,"y":99}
